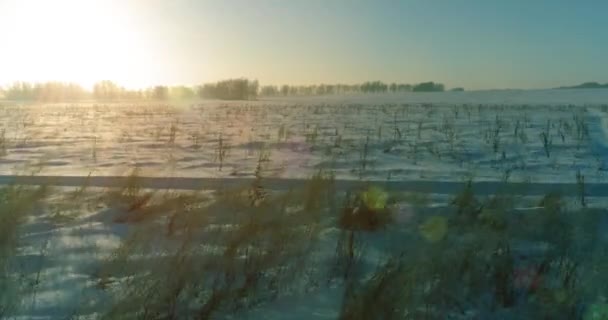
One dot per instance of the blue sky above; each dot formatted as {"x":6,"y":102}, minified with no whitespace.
{"x":474,"y":44}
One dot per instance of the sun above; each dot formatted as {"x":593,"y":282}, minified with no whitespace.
{"x":81,"y":41}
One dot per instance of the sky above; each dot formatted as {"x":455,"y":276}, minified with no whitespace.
{"x":483,"y":44}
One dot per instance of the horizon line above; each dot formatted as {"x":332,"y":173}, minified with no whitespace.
{"x":90,"y":88}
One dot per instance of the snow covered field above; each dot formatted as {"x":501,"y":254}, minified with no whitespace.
{"x":370,"y":137}
{"x":145,"y":250}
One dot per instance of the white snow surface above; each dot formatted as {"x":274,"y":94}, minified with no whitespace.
{"x":300,"y":136}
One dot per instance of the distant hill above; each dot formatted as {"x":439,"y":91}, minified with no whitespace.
{"x":588,"y":85}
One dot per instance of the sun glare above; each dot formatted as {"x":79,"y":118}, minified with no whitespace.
{"x":80,"y":41}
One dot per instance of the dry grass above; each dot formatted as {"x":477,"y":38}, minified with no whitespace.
{"x":15,"y":204}
{"x":486,"y":266}
{"x":223,"y":253}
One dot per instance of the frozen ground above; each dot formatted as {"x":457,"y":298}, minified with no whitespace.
{"x":484,"y":135}
{"x":536,"y":138}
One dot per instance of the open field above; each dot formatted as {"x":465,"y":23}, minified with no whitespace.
{"x":482,"y":205}
{"x":370,"y":140}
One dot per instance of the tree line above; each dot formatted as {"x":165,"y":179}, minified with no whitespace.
{"x":230,"y":89}
{"x":366,"y":87}
{"x":587,"y":85}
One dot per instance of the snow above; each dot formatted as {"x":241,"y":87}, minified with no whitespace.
{"x":328,"y":132}
{"x":299,"y":135}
